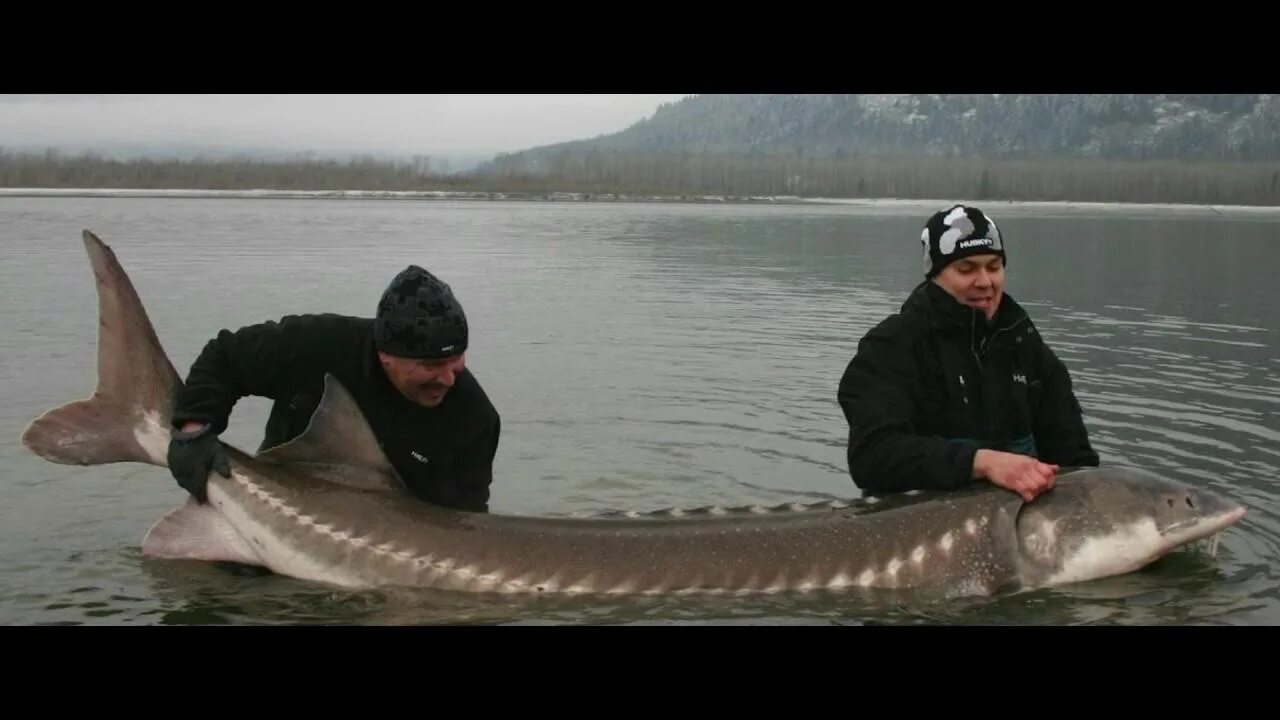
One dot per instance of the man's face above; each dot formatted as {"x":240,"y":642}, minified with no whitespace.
{"x":976,"y":281}
{"x":424,"y":381}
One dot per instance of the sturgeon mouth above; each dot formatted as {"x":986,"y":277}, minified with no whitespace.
{"x":1202,"y":528}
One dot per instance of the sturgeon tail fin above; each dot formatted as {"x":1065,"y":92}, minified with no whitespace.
{"x":127,"y":418}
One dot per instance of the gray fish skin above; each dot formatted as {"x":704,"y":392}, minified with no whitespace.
{"x":327,"y":507}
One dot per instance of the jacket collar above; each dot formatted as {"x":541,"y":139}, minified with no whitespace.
{"x":945,"y":313}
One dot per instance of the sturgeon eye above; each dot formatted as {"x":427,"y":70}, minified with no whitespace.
{"x":1189,"y":503}
{"x":1170,"y":501}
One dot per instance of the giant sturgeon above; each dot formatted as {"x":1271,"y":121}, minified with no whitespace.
{"x":327,"y":507}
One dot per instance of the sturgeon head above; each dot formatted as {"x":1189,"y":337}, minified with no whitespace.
{"x":1100,"y":522}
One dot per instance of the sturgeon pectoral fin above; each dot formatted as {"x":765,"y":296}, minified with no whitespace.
{"x":197,"y":532}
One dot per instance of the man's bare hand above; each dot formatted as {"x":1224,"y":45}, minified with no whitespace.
{"x":1022,"y":474}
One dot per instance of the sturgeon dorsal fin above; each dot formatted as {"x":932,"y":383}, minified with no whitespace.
{"x":338,"y":444}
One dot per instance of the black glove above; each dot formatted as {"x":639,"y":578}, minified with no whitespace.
{"x":192,"y":455}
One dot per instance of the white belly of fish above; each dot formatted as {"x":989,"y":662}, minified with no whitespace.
{"x":280,"y":551}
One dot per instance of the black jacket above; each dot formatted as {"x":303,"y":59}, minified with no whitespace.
{"x":444,"y":454}
{"x":935,"y":382}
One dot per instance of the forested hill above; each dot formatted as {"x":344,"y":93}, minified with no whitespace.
{"x":1203,"y":149}
{"x":1121,"y":127}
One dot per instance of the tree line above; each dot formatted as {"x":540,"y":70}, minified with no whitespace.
{"x":1074,"y":179}
{"x":685,"y":174}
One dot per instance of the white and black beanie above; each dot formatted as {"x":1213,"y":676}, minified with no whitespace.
{"x":956,"y":232}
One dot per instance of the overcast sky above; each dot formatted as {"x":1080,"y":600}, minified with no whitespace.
{"x":483,"y":124}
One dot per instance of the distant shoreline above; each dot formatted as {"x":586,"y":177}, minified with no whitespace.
{"x":477,"y":195}
{"x":627,"y":177}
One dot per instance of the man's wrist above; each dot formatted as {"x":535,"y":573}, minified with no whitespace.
{"x":981,"y":462}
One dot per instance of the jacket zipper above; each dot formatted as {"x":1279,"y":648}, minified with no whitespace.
{"x":987,"y":341}
{"x":974,"y":351}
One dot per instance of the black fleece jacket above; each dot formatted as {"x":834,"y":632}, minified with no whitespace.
{"x":932,"y":384}
{"x":444,"y":454}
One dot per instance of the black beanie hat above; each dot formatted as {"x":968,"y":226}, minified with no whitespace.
{"x":957,"y":232}
{"x":418,"y":317}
